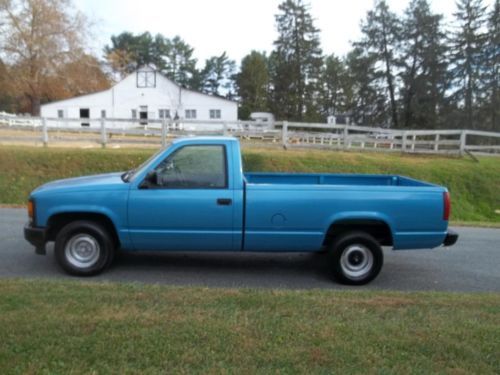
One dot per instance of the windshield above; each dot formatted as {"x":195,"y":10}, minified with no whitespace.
{"x":129,"y":175}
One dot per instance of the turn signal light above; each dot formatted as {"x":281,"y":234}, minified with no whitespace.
{"x":31,"y":210}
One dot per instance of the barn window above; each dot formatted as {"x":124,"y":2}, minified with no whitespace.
{"x":164,"y":113}
{"x":191,"y":114}
{"x":134,"y":113}
{"x":60,"y":113}
{"x":146,"y":79}
{"x":215,"y":114}
{"x":103,"y":113}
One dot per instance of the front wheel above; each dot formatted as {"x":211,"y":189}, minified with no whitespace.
{"x":83,"y":248}
{"x":357,"y":258}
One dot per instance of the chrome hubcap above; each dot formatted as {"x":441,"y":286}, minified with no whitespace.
{"x":356,"y":261}
{"x":82,"y":250}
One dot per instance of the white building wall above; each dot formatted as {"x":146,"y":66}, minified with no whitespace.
{"x":121,"y":99}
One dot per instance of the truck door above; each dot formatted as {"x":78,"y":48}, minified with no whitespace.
{"x":185,"y":202}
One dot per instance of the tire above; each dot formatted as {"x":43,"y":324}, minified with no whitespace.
{"x":84,"y":248}
{"x":357,"y":258}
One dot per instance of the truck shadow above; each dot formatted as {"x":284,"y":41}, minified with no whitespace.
{"x":196,"y":265}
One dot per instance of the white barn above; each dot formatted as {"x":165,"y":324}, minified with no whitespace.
{"x":143,"y":95}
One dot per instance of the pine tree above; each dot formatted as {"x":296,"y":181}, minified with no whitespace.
{"x":252,"y":84}
{"x":467,"y":60}
{"x":179,"y":63}
{"x":423,"y":67}
{"x":492,"y":73}
{"x":334,"y":87}
{"x":366,"y":104}
{"x":295,"y":63}
{"x":217,"y":75}
{"x":380,"y":39}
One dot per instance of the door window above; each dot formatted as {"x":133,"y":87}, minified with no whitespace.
{"x":192,"y":167}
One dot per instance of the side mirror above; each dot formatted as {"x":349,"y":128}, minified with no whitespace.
{"x":150,"y":180}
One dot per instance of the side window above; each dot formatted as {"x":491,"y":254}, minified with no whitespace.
{"x":193,"y":167}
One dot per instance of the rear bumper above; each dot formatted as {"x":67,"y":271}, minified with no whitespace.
{"x":451,"y":238}
{"x":37,"y":236}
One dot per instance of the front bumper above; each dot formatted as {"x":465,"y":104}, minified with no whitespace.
{"x":451,"y":238}
{"x":37,"y":236}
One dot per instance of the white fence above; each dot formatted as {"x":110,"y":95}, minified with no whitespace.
{"x":287,"y":134}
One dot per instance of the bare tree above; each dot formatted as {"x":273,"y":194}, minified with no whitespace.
{"x":38,"y":37}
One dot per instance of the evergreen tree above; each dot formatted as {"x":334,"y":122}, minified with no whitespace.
{"x":380,"y":39}
{"x":423,"y":67}
{"x":179,"y":63}
{"x":467,"y":60}
{"x":295,"y":63}
{"x":366,"y":104}
{"x":492,"y":74}
{"x":252,"y":83}
{"x":334,"y":87}
{"x":217,"y":75}
{"x":173,"y":57}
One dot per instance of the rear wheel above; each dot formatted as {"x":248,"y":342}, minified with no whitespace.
{"x":357,"y":258}
{"x":84,"y":248}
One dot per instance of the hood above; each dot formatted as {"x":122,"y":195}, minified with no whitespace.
{"x":108,"y":181}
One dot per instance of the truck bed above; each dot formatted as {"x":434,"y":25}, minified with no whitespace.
{"x":331,"y":179}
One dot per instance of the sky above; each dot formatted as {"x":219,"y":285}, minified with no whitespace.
{"x":234,"y":26}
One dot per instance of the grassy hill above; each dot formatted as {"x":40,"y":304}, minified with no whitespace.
{"x":474,"y":185}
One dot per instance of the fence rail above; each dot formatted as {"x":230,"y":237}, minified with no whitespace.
{"x":109,"y":131}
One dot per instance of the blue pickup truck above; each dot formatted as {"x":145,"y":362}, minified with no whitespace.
{"x":194,"y":196}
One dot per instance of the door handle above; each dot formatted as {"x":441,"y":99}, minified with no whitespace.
{"x":224,"y":201}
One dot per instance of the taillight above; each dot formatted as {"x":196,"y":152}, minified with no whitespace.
{"x":447,"y":205}
{"x":31,"y":210}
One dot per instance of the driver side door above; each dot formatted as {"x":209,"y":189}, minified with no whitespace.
{"x":185,"y":203}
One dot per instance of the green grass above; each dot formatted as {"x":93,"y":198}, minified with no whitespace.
{"x":61,"y":327}
{"x":474,"y":186}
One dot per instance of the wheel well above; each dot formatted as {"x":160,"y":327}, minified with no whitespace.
{"x":58,"y":221}
{"x":376,"y":228}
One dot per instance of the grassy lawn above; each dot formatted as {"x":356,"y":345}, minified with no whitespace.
{"x":474,"y":186}
{"x":77,"y":327}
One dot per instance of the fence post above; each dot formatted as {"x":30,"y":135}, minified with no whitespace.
{"x":404,"y":141}
{"x":163,"y":133}
{"x":104,"y":139}
{"x":345,"y":135}
{"x":413,"y":139}
{"x":45,"y":134}
{"x":463,"y":141}
{"x":436,"y":142}
{"x":284,"y":134}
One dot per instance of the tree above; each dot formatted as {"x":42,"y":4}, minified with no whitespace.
{"x":381,"y":29}
{"x":37,"y":37}
{"x":335,"y":90}
{"x":467,"y":56}
{"x":252,"y":83}
{"x":218,"y":74}
{"x":295,"y":63}
{"x":173,"y":57}
{"x":180,"y":65}
{"x":128,"y":52}
{"x":367,"y":104}
{"x":492,"y":71}
{"x":423,"y":67}
{"x":76,"y":78}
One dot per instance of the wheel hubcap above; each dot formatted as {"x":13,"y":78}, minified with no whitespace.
{"x":356,"y":261}
{"x":82,"y":250}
